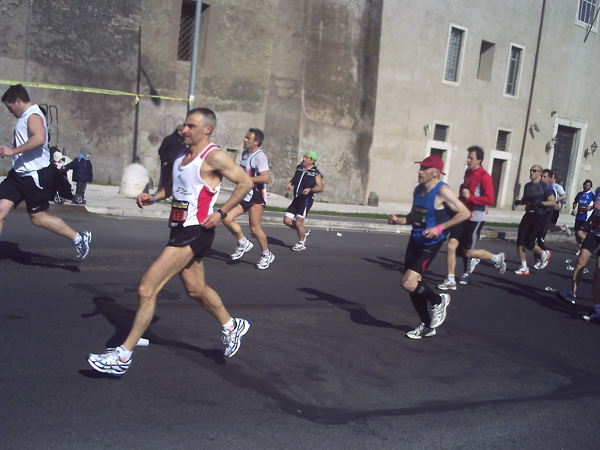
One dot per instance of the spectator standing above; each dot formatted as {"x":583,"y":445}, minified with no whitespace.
{"x":83,"y":173}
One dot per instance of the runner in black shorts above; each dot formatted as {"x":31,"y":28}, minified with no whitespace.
{"x":430,"y":217}
{"x":306,"y":182}
{"x":31,"y":177}
{"x":200,"y":170}
{"x":537,"y":198}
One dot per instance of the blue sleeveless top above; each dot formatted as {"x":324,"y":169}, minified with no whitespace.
{"x":424,"y":215}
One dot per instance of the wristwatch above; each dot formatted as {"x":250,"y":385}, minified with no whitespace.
{"x":223,"y":213}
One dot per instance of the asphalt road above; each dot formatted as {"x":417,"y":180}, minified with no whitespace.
{"x":325,"y":364}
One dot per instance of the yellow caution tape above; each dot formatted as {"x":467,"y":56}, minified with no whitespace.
{"x":90,"y":90}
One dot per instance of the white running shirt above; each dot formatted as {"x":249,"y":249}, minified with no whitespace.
{"x":193,"y":200}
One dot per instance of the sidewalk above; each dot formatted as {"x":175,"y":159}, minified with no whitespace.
{"x":106,"y":200}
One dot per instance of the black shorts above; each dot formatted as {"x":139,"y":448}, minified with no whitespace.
{"x":592,"y":244}
{"x":581,"y":225}
{"x":16,"y":189}
{"x":198,"y":238}
{"x":299,"y":207}
{"x":419,"y":256}
{"x":466,"y":233}
{"x":554,"y":216}
{"x":256,"y":199}
{"x":532,"y":225}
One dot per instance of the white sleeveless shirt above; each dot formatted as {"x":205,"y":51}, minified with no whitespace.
{"x":193,"y":200}
{"x":29,"y":162}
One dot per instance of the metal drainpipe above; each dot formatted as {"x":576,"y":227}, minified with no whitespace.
{"x":525,"y":128}
{"x":191,"y":94}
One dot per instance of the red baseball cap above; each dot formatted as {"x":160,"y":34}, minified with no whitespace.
{"x":433,"y":161}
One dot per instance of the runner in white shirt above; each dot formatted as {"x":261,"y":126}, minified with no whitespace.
{"x":32,"y":176}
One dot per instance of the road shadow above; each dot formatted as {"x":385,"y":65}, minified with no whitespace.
{"x":11,"y":251}
{"x":386,"y":263}
{"x":358,"y":314}
{"x":121,"y":318}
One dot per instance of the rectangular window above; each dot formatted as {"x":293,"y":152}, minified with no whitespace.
{"x":455,"y":45}
{"x":587,"y":10}
{"x":440,"y":133}
{"x":503,"y":140}
{"x":513,"y":72}
{"x":186,"y":29}
{"x":486,"y":60}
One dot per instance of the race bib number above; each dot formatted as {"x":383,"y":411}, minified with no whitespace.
{"x":179,"y":213}
{"x":530,"y":207}
{"x":582,"y":210}
{"x":418,"y":216}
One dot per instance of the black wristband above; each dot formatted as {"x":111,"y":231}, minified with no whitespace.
{"x":223,"y":213}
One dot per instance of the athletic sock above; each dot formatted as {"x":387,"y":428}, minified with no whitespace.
{"x":524,"y":264}
{"x":495,"y":258}
{"x":451,"y":277}
{"x":229,"y":326}
{"x":124,"y":354}
{"x":77,"y":239}
{"x":242,"y":241}
{"x":266,"y":252}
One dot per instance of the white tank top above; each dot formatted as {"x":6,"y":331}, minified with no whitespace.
{"x":32,"y":160}
{"x":193,"y":200}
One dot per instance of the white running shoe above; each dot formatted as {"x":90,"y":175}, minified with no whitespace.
{"x":438,"y":312}
{"x":265,"y":261}
{"x":544,"y":261}
{"x":420,"y":332}
{"x":83,"y":246}
{"x":522,"y":271}
{"x":500,"y":265}
{"x":447,"y":285}
{"x":109,"y":362}
{"x":472,"y":264}
{"x":299,"y":247}
{"x":242,"y":249}
{"x":233,"y":340}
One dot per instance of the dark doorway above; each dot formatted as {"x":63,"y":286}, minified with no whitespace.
{"x":497,"y":168}
{"x":563,"y":147}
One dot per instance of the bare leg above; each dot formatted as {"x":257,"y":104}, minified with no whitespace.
{"x":54,"y":224}
{"x":195,"y":285}
{"x":301,"y":229}
{"x":582,"y":260}
{"x":451,"y":255}
{"x":255,"y":214}
{"x":230,"y":223}
{"x":6,"y":206}
{"x":169,"y":263}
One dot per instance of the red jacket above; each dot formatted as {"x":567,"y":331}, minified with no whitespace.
{"x":480,"y":185}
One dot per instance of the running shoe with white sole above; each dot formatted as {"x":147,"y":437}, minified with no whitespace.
{"x":465,"y":279}
{"x":299,"y":247}
{"x":233,"y":339}
{"x":544,"y":261}
{"x":420,"y":332}
{"x":109,"y":362}
{"x":565,"y":229}
{"x":438,"y":312}
{"x":500,"y":265}
{"x":306,"y":235}
{"x":567,"y":296}
{"x":265,"y":261}
{"x":522,"y":271}
{"x":83,"y":246}
{"x":447,"y":285}
{"x":593,"y":317}
{"x":472,"y":264}
{"x":242,"y":249}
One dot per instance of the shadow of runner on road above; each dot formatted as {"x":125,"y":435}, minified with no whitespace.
{"x":11,"y":251}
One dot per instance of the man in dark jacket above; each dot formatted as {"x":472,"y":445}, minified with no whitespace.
{"x":168,"y":151}
{"x":82,"y":173}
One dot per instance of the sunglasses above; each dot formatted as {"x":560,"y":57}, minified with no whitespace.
{"x":534,"y":170}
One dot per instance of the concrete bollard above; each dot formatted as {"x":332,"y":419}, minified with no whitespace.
{"x":373,"y":199}
{"x":135,"y":180}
